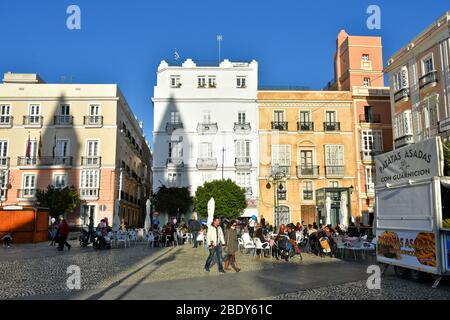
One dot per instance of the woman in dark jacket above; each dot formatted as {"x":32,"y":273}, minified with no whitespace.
{"x":232,"y":246}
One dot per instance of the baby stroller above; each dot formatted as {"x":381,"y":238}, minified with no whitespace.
{"x":101,"y":242}
{"x":284,"y":249}
{"x":84,"y":238}
{"x":325,"y":245}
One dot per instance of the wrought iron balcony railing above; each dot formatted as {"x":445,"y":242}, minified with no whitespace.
{"x":308,"y":171}
{"x":369,"y":118}
{"x":331,"y":126}
{"x":44,"y":161}
{"x":35,"y":121}
{"x":402,"y":94}
{"x":172,"y":126}
{"x":305,"y":126}
{"x":93,"y":121}
{"x":242,"y":127}
{"x":6,"y":121}
{"x":334,"y":171}
{"x":280,"y":125}
{"x":207,"y":128}
{"x":63,"y":120}
{"x":243,"y":162}
{"x":428,"y":79}
{"x":206,"y":163}
{"x":91,"y":161}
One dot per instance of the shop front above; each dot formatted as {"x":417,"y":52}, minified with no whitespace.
{"x":333,"y":206}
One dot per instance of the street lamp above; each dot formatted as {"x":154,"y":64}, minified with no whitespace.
{"x":276,"y":176}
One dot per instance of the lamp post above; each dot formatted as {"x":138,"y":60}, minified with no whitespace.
{"x":276,"y":176}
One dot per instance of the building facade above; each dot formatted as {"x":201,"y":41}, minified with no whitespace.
{"x":419,"y":76}
{"x":306,"y":155}
{"x":73,"y":135}
{"x":359,"y":69}
{"x":205,"y":125}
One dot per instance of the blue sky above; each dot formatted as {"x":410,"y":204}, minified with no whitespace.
{"x":123,"y":41}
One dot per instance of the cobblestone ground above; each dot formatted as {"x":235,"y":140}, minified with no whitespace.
{"x":40,"y":271}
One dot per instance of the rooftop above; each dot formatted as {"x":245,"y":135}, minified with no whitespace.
{"x":189,"y":63}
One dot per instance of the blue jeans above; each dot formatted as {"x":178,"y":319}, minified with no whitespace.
{"x":215,"y":253}
{"x":194,"y":238}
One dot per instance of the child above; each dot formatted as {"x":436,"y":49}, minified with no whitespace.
{"x":7,"y":240}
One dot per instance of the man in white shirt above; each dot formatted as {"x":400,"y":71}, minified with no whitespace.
{"x":215,"y":240}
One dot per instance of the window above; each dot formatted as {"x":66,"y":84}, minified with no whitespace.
{"x":241,"y":82}
{"x":60,"y":181}
{"x":365,"y":57}
{"x":173,"y":179}
{"x":205,"y":150}
{"x":430,"y":111}
{"x":3,"y":153}
{"x":174,"y":117}
{"x":370,"y":175}
{"x":29,"y":185}
{"x":62,"y":152}
{"x":242,"y":149}
{"x":3,"y":183}
{"x":306,"y":158}
{"x":241,"y":117}
{"x":206,"y":116}
{"x":212,"y":81}
{"x":372,"y":140}
{"x":92,"y":152}
{"x":87,"y":211}
{"x":305,"y":117}
{"x":427,"y":65}
{"x":330,"y":117}
{"x":201,"y":80}
{"x":281,"y":155}
{"x":89,"y":180}
{"x":403,"y":124}
{"x":243,"y":179}
{"x":5,"y":114}
{"x":308,"y":193}
{"x":278,"y":116}
{"x":34,"y":115}
{"x":31,"y":153}
{"x":64,"y":109}
{"x":175,"y":82}
{"x":334,"y":184}
{"x":400,"y":79}
{"x":366,"y":82}
{"x":334,"y":155}
{"x":175,"y":149}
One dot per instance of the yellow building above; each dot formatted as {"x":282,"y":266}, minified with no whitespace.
{"x":307,"y":160}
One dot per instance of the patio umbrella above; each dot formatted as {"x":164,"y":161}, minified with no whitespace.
{"x":344,"y":211}
{"x":148,"y":221}
{"x":328,"y":210}
{"x":211,"y":208}
{"x":116,"y":221}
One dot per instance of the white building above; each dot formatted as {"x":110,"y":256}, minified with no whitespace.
{"x":206,"y":126}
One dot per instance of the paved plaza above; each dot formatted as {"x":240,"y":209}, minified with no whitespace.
{"x":141,"y":272}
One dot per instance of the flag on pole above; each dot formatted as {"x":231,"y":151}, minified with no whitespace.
{"x":28,"y":151}
{"x":40,"y":148}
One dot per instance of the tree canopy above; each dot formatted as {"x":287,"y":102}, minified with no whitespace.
{"x":59,"y":201}
{"x":229,"y":198}
{"x":170,"y":200}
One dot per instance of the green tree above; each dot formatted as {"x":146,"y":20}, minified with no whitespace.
{"x":59,"y":201}
{"x":447,"y":159}
{"x":172,"y":200}
{"x":229,"y":198}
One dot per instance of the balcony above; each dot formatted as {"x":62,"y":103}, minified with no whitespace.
{"x":305,"y":126}
{"x":331,"y":126}
{"x":4,"y":162}
{"x":242,"y":127}
{"x":308,"y":195}
{"x":29,"y":194}
{"x":63,"y":121}
{"x":6,"y":121}
{"x":429,"y":79}
{"x":370,"y":188}
{"x":89,"y":193}
{"x":33,"y":121}
{"x":94,"y":162}
{"x":44,"y":161}
{"x":403,"y":141}
{"x":401,"y":95}
{"x":334,"y":171}
{"x":243,"y":163}
{"x":281,"y":170}
{"x":207,"y":128}
{"x":174,"y":163}
{"x":370,"y":155}
{"x":93,"y":121}
{"x":206,"y":163}
{"x":172,"y":126}
{"x":444,"y":125}
{"x":280,"y":125}
{"x":369,"y":118}
{"x":307,"y":171}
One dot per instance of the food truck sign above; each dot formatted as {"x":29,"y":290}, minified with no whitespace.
{"x":417,"y":161}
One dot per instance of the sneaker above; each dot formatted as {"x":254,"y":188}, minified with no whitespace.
{"x":222,"y":271}
{"x":206,"y":269}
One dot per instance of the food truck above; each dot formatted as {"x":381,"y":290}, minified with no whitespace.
{"x":412,"y":213}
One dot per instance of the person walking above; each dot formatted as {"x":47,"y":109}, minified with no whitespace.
{"x":194,"y":227}
{"x":215,"y":239}
{"x":63,"y":233}
{"x":231,"y":242}
{"x":7,"y":239}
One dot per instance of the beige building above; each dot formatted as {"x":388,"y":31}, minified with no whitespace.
{"x":419,"y":74}
{"x":80,"y":135}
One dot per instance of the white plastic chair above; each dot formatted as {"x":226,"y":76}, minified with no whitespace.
{"x":341,"y":247}
{"x":261,"y":246}
{"x":248,"y":243}
{"x":355,"y":247}
{"x":240,"y":244}
{"x":122,"y":237}
{"x":201,"y":238}
{"x":132,"y":237}
{"x":188,"y":238}
{"x":150,"y":238}
{"x":112,"y":236}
